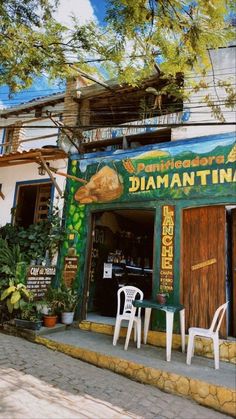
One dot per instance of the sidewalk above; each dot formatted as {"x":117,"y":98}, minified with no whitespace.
{"x":200,"y":381}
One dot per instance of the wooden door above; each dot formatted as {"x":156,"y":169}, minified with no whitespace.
{"x":42,"y":202}
{"x":233,"y":264}
{"x":203,"y":264}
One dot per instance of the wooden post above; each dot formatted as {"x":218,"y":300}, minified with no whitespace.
{"x":50,"y":174}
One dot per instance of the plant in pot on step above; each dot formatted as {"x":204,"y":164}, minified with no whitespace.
{"x":70,"y":301}
{"x":30,"y":318}
{"x":53,"y":302}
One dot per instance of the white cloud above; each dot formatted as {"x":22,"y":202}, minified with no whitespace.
{"x":82,"y":9}
{"x":2,"y":106}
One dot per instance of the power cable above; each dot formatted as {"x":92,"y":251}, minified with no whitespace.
{"x":19,"y":99}
{"x":91,"y":127}
{"x":108,"y":108}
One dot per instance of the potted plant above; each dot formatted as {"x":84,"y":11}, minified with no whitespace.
{"x":162,"y":296}
{"x":30,"y":318}
{"x":69,"y":303}
{"x":50,"y":319}
{"x":20,"y":304}
{"x":52,"y":302}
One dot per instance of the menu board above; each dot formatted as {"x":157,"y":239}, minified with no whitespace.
{"x":70,"y":270}
{"x":39,"y":278}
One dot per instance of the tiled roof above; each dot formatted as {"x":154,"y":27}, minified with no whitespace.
{"x":31,"y":156}
{"x":40,"y":101}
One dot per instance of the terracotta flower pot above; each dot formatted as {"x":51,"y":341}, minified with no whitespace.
{"x":161,"y":298}
{"x":49,"y":321}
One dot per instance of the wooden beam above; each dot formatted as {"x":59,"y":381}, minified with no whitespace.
{"x":41,"y":159}
{"x":69,"y":176}
{"x":90,"y":77}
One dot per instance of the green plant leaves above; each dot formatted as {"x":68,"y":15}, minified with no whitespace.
{"x":16,"y":305}
{"x":7,"y":292}
{"x":18,"y":244}
{"x":15,"y":297}
{"x":10,"y":306}
{"x":26,"y":292}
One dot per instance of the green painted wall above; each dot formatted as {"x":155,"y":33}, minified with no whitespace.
{"x":210,"y":180}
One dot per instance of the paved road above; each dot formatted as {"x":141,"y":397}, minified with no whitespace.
{"x":37,"y":383}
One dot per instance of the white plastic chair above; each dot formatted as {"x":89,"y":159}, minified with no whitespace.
{"x":128,"y":312}
{"x":212,"y":333}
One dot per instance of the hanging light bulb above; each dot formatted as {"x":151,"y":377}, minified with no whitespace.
{"x":41,"y":170}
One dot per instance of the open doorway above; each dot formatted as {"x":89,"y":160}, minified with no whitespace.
{"x":123,"y":243}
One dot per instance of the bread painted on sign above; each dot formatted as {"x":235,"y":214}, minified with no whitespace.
{"x":104,"y":186}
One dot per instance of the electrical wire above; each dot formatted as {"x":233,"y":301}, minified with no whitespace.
{"x":19,"y":99}
{"x":108,"y":108}
{"x":136,"y":115}
{"x":193,"y":77}
{"x":92,"y":127}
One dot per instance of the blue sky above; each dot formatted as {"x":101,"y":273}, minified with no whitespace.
{"x":84,"y":10}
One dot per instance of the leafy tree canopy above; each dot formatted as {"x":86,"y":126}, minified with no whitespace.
{"x":138,"y":38}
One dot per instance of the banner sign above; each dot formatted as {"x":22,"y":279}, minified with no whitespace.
{"x":169,"y":171}
{"x":70,"y":270}
{"x":39,"y":278}
{"x":142,"y":126}
{"x":167,"y":248}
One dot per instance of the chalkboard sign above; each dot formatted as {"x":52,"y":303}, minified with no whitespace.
{"x":70,"y":270}
{"x":39,"y":278}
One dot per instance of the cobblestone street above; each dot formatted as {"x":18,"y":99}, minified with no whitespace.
{"x":38,"y":383}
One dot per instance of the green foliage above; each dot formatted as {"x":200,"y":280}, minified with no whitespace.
{"x":137,"y":35}
{"x":61,"y":299}
{"x":12,"y":272}
{"x":15,"y":295}
{"x":70,"y":299}
{"x":31,"y":42}
{"x":32,"y":242}
{"x":12,"y":261}
{"x":29,"y":311}
{"x":29,"y":12}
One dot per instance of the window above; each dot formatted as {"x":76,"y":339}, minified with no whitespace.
{"x":38,"y":112}
{"x":33,"y":203}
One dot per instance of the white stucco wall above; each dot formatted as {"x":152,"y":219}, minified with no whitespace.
{"x":21,"y":173}
{"x":224,"y":64}
{"x":9,"y":176}
{"x":29,"y":133}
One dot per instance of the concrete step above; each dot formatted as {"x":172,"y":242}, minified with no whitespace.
{"x":29,"y":334}
{"x":203,"y":346}
{"x":200,"y":381}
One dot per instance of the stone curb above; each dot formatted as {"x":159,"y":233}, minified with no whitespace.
{"x":217,"y":397}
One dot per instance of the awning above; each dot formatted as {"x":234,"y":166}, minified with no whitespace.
{"x":31,"y":156}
